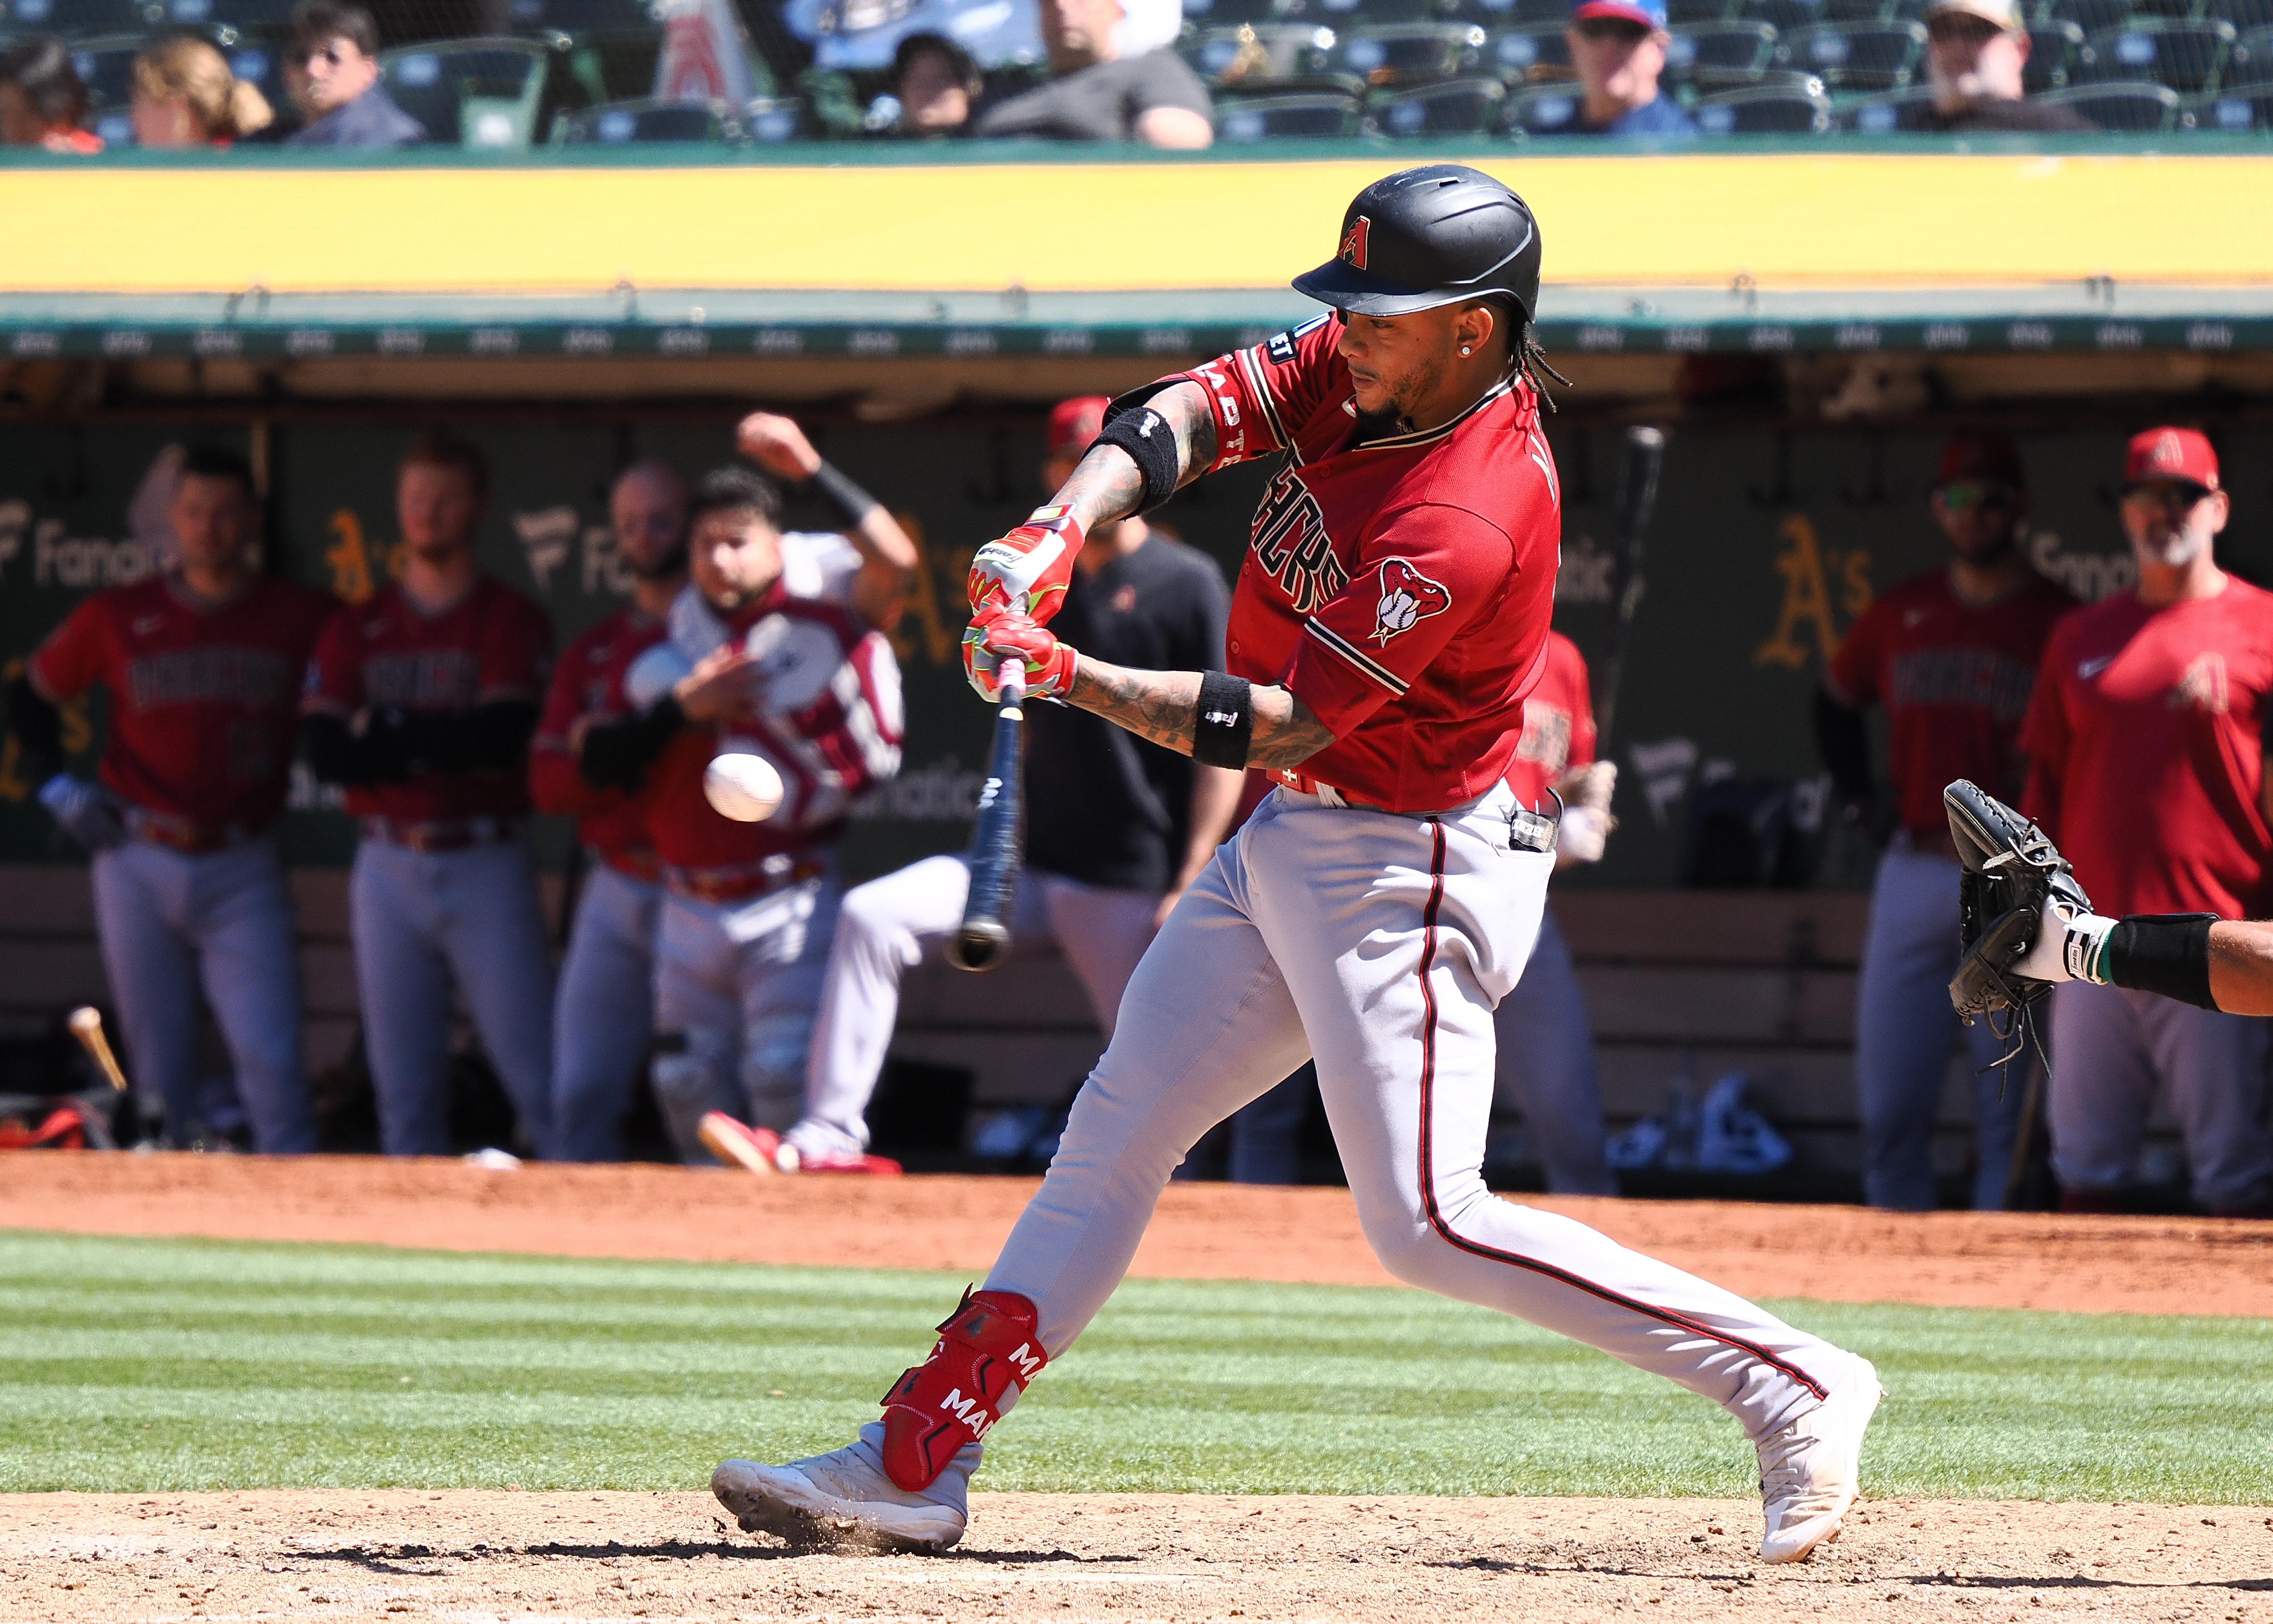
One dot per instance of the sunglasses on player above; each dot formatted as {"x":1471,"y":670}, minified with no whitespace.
{"x":2173,"y":495}
{"x":1962,"y":494}
{"x":300,"y":56}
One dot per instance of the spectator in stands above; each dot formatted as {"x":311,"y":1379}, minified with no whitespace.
{"x":1975,"y":53}
{"x":184,"y":95}
{"x":335,"y":51}
{"x":935,"y":88}
{"x":1113,"y":80}
{"x":1619,"y":49}
{"x":41,"y":100}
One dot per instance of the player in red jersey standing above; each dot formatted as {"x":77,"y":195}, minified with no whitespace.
{"x":2148,"y":767}
{"x":202,"y":663}
{"x":1390,"y":618}
{"x":1546,"y":1041}
{"x":421,"y":702}
{"x":1951,"y":655}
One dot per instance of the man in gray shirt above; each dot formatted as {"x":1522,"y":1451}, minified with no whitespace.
{"x":1097,"y":93}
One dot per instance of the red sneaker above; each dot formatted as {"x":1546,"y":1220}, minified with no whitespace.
{"x":737,"y":1144}
{"x":791,"y":1160}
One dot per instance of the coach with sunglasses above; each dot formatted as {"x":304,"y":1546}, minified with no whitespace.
{"x":1617,"y":48}
{"x":331,"y":68}
{"x":1953,"y":656}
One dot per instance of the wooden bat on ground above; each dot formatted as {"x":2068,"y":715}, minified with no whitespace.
{"x":984,"y":938}
{"x":86,"y":1026}
{"x":1638,"y":470}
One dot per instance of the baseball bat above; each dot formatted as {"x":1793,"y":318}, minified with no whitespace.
{"x":980,"y":941}
{"x":1643,"y":456}
{"x":86,"y":1026}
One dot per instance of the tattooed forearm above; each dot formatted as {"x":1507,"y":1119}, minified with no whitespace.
{"x":1162,"y":706}
{"x":1106,"y":486}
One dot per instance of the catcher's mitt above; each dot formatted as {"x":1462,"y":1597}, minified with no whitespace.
{"x":2015,"y":887}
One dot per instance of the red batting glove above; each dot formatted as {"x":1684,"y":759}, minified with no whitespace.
{"x":1028,"y":569}
{"x":1003,"y":634}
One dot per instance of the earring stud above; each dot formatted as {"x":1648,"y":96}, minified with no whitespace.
{"x":1466,"y":350}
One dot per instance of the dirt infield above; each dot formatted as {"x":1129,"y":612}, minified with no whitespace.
{"x":1204,"y":1232}
{"x":398,"y":1556}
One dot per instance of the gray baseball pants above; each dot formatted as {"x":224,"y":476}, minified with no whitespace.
{"x":2113,"y":1046}
{"x":736,"y":987}
{"x":419,"y":921}
{"x":170,"y":922}
{"x":604,"y":1014}
{"x":1904,"y":1029}
{"x":1546,"y":1065}
{"x":1380,"y":944}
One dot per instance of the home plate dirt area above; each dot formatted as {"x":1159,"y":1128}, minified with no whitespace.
{"x":503,"y":1553}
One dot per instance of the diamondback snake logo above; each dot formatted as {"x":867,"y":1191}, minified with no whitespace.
{"x":1407,"y":597}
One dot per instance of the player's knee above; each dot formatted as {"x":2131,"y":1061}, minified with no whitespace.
{"x":774,"y":1058}
{"x":688,"y":1067}
{"x":868,"y":925}
{"x":1413,"y":1251}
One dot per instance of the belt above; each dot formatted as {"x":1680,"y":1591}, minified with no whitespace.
{"x":1302,"y":784}
{"x":743,"y":881}
{"x":637,"y":862}
{"x":442,"y":834}
{"x":186,"y":834}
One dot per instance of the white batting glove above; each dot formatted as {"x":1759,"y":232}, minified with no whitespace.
{"x":85,"y":812}
{"x":2071,"y":947}
{"x":1585,"y":831}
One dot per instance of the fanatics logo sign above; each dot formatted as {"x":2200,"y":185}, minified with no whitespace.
{"x":1354,"y":242}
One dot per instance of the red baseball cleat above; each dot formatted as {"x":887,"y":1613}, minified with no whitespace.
{"x":791,"y":1160}
{"x":737,"y":1144}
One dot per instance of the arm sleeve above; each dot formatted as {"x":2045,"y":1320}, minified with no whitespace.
{"x":39,"y":729}
{"x":1425,"y":573}
{"x":1259,"y":397}
{"x":1169,"y":81}
{"x":338,"y":755}
{"x":1844,"y":743}
{"x":616,"y":753}
{"x":493,"y":734}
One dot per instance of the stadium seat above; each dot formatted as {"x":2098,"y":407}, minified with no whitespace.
{"x":1691,"y":14}
{"x":2091,"y":16}
{"x":2247,"y":107}
{"x":1853,"y":11}
{"x":2186,"y":57}
{"x":2246,"y":15}
{"x":1720,"y":57}
{"x":2251,"y":61}
{"x":1770,"y":109}
{"x":105,"y":66}
{"x":1403,"y":53}
{"x":1288,"y":114}
{"x":1891,"y":114}
{"x":1856,"y":56}
{"x":2054,"y":49}
{"x":622,"y":123}
{"x":1535,"y":54}
{"x":73,"y":19}
{"x":1349,"y":13}
{"x":575,"y":17}
{"x":1246,"y":52}
{"x":482,"y":92}
{"x":1466,"y":106}
{"x":1782,"y":15}
{"x":769,"y":120}
{"x":1211,"y":13}
{"x":268,"y":16}
{"x":1542,"y":110}
{"x":2135,"y":108}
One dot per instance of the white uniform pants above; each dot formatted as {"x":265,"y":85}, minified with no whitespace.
{"x":604,"y":1014}
{"x":736,"y":985}
{"x":168,"y":922}
{"x":1547,"y":1067}
{"x":2111,"y":1048}
{"x":420,"y":919}
{"x":1378,"y":944}
{"x":888,"y":926}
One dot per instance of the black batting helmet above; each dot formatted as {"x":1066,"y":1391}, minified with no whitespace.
{"x":1428,"y":237}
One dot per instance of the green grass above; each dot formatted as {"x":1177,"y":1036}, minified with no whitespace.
{"x":136,"y":1364}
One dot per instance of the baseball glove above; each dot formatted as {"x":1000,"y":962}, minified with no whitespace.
{"x":2016,"y":884}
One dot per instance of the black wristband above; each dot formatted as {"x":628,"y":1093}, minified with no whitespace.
{"x":847,"y":500}
{"x":2165,"y":953}
{"x":1144,"y":434}
{"x":1225,"y":723}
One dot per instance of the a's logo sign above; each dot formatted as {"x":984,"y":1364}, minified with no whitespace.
{"x":1354,"y":242}
{"x":1291,"y":544}
{"x":1407,"y":597}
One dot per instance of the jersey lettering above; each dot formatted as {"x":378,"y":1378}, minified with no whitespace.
{"x":426,"y":679}
{"x":1281,"y":349}
{"x":1962,"y":676}
{"x":1291,"y":543}
{"x":250,"y":677}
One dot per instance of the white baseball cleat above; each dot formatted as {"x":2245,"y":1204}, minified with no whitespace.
{"x":844,"y":1501}
{"x":740,"y":1145}
{"x":1809,"y":1469}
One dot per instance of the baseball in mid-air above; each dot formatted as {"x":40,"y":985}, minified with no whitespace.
{"x":743,"y":787}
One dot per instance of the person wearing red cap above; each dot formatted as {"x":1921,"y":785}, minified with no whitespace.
{"x":2148,"y":767}
{"x":1617,"y":48}
{"x":1116,"y":828}
{"x":1951,"y":655}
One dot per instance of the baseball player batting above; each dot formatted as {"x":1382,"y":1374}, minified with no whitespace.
{"x":1390,"y":618}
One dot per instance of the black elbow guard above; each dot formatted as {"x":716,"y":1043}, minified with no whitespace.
{"x":1151,"y":442}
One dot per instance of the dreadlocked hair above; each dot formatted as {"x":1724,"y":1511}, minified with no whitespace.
{"x":1531,"y":360}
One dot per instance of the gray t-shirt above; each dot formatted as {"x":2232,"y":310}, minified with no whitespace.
{"x":1101,"y":102}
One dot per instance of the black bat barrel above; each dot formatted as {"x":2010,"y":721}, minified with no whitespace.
{"x":983,"y":939}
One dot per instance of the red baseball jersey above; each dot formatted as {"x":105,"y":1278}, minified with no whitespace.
{"x":1400,"y":588}
{"x":589,"y":681}
{"x":832,"y":729}
{"x":203,"y":700}
{"x":2147,"y":754}
{"x":1956,"y":680}
{"x":1558,"y":724}
{"x":491,"y":644}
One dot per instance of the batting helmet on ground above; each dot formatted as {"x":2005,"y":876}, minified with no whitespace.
{"x":1428,"y":237}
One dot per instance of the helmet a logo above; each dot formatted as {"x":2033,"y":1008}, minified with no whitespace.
{"x":1354,"y":242}
{"x":1407,"y":597}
